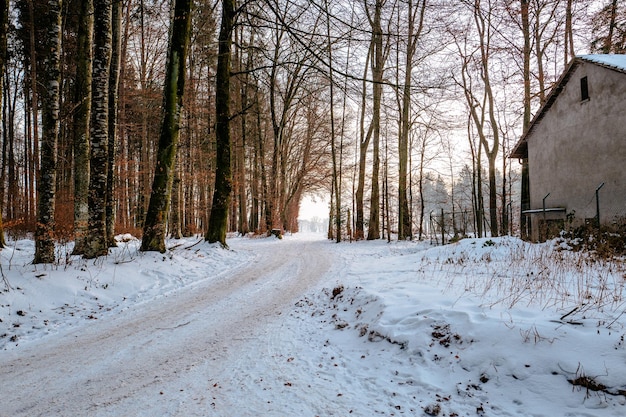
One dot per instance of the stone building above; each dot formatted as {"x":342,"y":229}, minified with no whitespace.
{"x":576,"y":149}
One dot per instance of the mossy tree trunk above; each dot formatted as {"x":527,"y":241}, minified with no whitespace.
{"x":218,"y":219}
{"x":82,"y":97}
{"x":114,"y":81}
{"x":155,"y":226}
{"x":97,"y":244}
{"x":44,"y":233}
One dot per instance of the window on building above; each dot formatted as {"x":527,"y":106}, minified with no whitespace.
{"x":584,"y":89}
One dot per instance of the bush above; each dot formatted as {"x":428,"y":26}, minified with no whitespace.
{"x":604,"y":242}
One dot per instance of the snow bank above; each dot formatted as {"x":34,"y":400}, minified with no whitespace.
{"x":476,"y":341}
{"x":44,"y":298}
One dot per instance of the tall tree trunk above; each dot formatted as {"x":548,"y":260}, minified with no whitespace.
{"x":33,"y":127}
{"x":114,"y":82}
{"x":504,"y":222}
{"x":525,"y":190}
{"x":218,"y":221}
{"x":13,"y":208}
{"x":256,"y":187}
{"x":607,"y":47}
{"x":4,"y":25}
{"x":373,"y":231}
{"x":4,"y":115}
{"x":404,"y":214}
{"x":96,"y":242}
{"x":266,"y":211}
{"x":155,"y":226}
{"x":568,"y":49}
{"x":82,"y":98}
{"x":243,"y":226}
{"x":484,"y":32}
{"x":124,"y":210}
{"x":144,"y":154}
{"x":479,"y":207}
{"x":44,"y":233}
{"x":175,"y":223}
{"x":333,"y":146}
{"x":421,"y":191}
{"x":539,"y":55}
{"x":359,"y":232}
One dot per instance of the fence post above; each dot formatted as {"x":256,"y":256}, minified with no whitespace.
{"x":430,"y":223}
{"x":443,"y":229}
{"x":545,"y":224}
{"x":509,"y":214}
{"x":598,"y":205}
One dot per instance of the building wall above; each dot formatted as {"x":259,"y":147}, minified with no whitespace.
{"x":579,"y":145}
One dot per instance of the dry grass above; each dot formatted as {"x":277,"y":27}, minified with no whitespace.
{"x":577,"y":284}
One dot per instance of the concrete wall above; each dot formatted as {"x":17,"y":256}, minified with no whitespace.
{"x":580,"y":144}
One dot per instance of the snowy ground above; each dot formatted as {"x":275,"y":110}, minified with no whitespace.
{"x":306,"y":327}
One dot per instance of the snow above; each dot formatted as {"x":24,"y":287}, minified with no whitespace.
{"x":612,"y":60}
{"x":306,"y":327}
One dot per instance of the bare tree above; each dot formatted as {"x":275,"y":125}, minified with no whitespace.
{"x":568,"y":50}
{"x":336,"y":186}
{"x":482,"y":104}
{"x":609,"y":28}
{"x":415,"y":14}
{"x":364,"y":141}
{"x":377,"y":64}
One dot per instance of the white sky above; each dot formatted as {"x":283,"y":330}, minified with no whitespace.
{"x":314,"y":207}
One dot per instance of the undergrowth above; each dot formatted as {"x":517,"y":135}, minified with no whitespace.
{"x":601,"y":242}
{"x":576,"y":282}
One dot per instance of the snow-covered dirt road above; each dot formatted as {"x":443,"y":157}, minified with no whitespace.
{"x":166,"y":357}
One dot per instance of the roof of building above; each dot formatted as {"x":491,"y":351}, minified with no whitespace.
{"x":610,"y":61}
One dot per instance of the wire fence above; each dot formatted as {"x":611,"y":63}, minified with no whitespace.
{"x":441,"y":227}
{"x":438,"y":226}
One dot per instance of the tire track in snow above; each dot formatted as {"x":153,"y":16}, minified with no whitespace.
{"x":151,"y":357}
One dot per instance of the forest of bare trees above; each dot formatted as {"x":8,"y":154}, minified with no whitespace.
{"x":178,"y":117}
